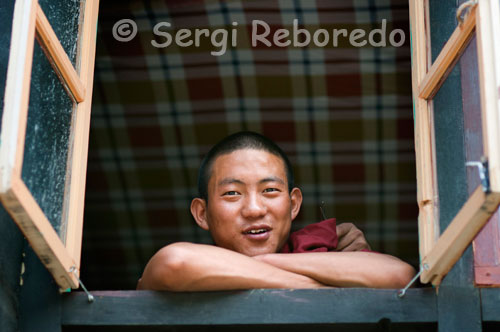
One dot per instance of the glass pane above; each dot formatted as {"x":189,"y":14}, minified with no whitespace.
{"x":47,"y":136}
{"x":64,"y":17}
{"x":450,"y":152}
{"x":458,"y":133}
{"x":443,"y":22}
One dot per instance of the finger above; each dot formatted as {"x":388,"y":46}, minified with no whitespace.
{"x":343,"y":229}
{"x":346,"y":234}
{"x":351,"y":247}
{"x":351,"y":238}
{"x":345,"y":241}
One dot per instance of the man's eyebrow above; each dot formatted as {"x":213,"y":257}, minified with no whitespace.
{"x":229,"y":181}
{"x":272,"y":179}
{"x":264,"y":180}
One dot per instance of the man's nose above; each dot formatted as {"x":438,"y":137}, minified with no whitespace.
{"x":254,"y":207}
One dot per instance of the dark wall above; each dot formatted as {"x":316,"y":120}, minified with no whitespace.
{"x":29,"y":298}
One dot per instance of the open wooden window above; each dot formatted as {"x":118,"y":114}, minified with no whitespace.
{"x":438,"y":252}
{"x":59,"y":250}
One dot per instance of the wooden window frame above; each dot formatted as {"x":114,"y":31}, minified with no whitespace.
{"x":60,"y":256}
{"x":439,"y":253}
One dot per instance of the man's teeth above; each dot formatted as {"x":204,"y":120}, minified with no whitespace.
{"x":257,"y":231}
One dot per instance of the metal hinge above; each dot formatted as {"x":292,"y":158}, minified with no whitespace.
{"x":482,"y":167}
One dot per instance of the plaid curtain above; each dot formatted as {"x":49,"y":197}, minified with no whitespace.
{"x":342,"y":114}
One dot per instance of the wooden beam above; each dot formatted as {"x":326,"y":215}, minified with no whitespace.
{"x":487,"y":276}
{"x":448,"y":56}
{"x":59,"y":59}
{"x":459,"y":307}
{"x":80,"y":136}
{"x":458,"y":235}
{"x":42,"y":237}
{"x":424,"y":134}
{"x":252,"y":307}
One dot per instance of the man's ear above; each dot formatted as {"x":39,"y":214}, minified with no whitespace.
{"x":296,"y":198}
{"x":199,"y":212}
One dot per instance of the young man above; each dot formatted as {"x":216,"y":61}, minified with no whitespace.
{"x":247,"y":202}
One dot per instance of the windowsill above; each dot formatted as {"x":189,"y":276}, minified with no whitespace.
{"x":276,"y":307}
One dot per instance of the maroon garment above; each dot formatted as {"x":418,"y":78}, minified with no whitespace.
{"x":318,"y":237}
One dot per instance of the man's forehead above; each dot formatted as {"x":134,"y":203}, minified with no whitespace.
{"x":244,"y":159}
{"x":234,"y":157}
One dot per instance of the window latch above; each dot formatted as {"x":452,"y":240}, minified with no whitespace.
{"x":90,"y":297}
{"x":482,"y":167}
{"x":402,"y":292}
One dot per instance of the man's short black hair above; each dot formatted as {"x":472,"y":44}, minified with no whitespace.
{"x":239,"y":141}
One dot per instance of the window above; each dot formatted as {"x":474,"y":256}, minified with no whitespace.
{"x":439,"y":252}
{"x":52,"y":225}
{"x":60,"y":249}
{"x":342,"y":114}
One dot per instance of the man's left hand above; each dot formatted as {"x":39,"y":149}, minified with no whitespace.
{"x":351,"y":238}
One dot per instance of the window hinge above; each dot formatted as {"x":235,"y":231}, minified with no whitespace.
{"x":482,"y":167}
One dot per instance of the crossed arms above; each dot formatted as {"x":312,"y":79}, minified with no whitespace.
{"x":196,"y":267}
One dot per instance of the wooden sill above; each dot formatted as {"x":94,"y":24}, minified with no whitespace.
{"x":259,"y":307}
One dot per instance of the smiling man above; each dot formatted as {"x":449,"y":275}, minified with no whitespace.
{"x":247,"y":202}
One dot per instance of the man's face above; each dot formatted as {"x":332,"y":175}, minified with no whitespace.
{"x":249,"y":208}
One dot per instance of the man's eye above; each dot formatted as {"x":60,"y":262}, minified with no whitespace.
{"x":231,"y":193}
{"x":270,"y":190}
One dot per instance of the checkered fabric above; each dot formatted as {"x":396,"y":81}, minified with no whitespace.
{"x":342,"y":114}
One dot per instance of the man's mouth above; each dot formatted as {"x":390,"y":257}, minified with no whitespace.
{"x":256,"y":231}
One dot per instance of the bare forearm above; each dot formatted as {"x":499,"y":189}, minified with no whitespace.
{"x":346,"y":269}
{"x":195,"y":267}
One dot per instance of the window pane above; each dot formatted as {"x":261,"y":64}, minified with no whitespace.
{"x":47,"y":135}
{"x":450,"y":153}
{"x":64,"y":17}
{"x":458,"y":134}
{"x":457,"y":122}
{"x":442,"y":23}
{"x":471,"y":100}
